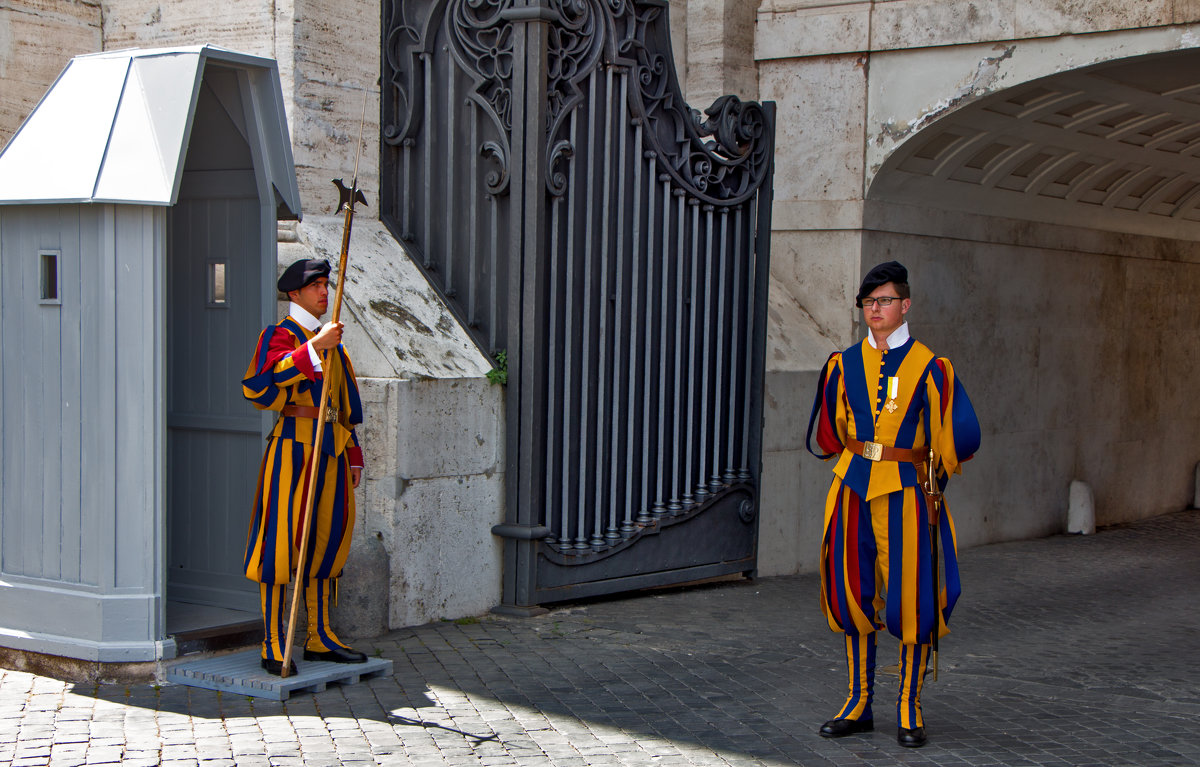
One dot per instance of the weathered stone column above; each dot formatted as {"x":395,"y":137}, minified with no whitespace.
{"x":720,"y":50}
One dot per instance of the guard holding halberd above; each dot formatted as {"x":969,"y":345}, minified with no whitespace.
{"x":900,"y":423}
{"x":287,"y":375}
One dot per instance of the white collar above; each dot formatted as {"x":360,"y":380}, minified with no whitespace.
{"x":897,"y":339}
{"x":302,"y":315}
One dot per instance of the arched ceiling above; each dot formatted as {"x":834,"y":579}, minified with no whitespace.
{"x":1114,"y":146}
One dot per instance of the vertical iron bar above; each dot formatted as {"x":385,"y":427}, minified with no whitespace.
{"x":473,"y":223}
{"x":553,"y":447}
{"x":427,"y":156}
{"x":675,"y":505}
{"x":451,"y":185}
{"x":642,"y":328}
{"x":406,"y":201}
{"x":581,"y":540}
{"x":493,"y":277}
{"x":602,"y":464}
{"x":620,"y":346}
{"x":706,"y":372}
{"x":689,"y":499}
{"x":722,"y":371}
{"x":751,"y":310}
{"x":566,"y":437}
{"x":735,"y":353}
{"x":663,"y":352}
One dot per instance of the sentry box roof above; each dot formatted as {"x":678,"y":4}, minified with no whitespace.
{"x":114,"y":127}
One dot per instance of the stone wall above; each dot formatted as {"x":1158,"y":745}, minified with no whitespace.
{"x":37,"y":39}
{"x":1058,"y":402}
{"x":1073,"y":345}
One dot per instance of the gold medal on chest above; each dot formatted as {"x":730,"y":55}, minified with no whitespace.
{"x":893,"y":392}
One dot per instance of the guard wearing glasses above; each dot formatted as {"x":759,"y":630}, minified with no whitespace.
{"x":892,"y":414}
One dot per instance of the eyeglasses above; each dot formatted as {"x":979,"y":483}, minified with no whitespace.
{"x":885,"y":301}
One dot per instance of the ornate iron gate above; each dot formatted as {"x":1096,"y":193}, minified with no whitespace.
{"x":579,"y":217}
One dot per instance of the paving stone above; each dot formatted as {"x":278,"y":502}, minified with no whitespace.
{"x":1069,"y":650}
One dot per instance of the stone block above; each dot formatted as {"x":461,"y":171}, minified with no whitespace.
{"x":922,"y":23}
{"x":248,"y":26}
{"x":780,"y":514}
{"x":1039,"y":18}
{"x":363,"y":603}
{"x":449,"y":428}
{"x":820,"y":272}
{"x":720,"y":38}
{"x":794,"y":487}
{"x":445,"y":561}
{"x":378,"y":433}
{"x":1186,"y":12}
{"x":793,"y":341}
{"x":789,"y":30}
{"x":820,"y":102}
{"x":794,"y":483}
{"x":787,"y":396}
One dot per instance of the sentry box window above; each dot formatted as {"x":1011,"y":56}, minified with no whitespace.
{"x":216,"y":284}
{"x":49,"y":278}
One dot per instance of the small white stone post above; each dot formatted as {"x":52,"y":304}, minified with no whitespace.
{"x":1196,"y":494}
{"x":1081,"y":509}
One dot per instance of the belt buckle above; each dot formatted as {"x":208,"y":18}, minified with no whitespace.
{"x":331,"y":414}
{"x":872,"y":451}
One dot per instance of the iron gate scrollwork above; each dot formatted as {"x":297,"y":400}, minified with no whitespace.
{"x":576,"y":213}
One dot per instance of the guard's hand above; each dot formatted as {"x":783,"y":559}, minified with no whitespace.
{"x":355,"y":475}
{"x":329,"y":337}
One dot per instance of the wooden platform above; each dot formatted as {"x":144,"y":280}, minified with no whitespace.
{"x":242,"y":674}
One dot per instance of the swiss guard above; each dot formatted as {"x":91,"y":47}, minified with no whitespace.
{"x":893,"y":415}
{"x":286,"y":375}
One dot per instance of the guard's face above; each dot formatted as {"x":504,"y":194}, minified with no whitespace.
{"x":884,"y":320}
{"x":313,"y":297}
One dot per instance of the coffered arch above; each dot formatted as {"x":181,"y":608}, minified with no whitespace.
{"x":1114,"y":146}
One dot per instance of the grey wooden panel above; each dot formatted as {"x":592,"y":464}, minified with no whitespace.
{"x":7,"y":221}
{"x":15,"y":232}
{"x":94,"y":447}
{"x":73,"y":378}
{"x":45,"y":402}
{"x":99,"y":403}
{"x":214,"y":435}
{"x":137,"y":397}
{"x":43,"y":379}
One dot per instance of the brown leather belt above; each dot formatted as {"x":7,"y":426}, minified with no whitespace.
{"x":876,"y":452}
{"x":304,"y":411}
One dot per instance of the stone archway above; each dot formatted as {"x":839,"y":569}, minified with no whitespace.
{"x":1052,"y":230}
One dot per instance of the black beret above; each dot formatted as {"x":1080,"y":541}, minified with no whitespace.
{"x":301,"y":273}
{"x":892,"y":271}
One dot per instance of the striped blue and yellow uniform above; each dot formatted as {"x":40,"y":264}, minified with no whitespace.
{"x":875,"y":551}
{"x":281,"y":374}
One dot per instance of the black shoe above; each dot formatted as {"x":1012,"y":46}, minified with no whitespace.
{"x":839,"y":728}
{"x":914,"y":738}
{"x":336,"y":655}
{"x":275,"y":667}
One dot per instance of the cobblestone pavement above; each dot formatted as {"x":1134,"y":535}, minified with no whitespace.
{"x":1069,"y":650}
